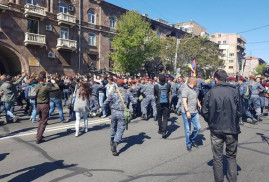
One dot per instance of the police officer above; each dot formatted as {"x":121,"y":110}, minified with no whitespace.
{"x":244,"y":94}
{"x":232,"y":81}
{"x":174,"y":90}
{"x":149,"y":99}
{"x":134,"y":91}
{"x":118,"y":123}
{"x":179,"y":95}
{"x":96,"y":86}
{"x":255,"y":101}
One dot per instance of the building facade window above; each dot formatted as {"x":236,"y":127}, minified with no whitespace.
{"x":91,"y":16}
{"x":231,"y":67}
{"x":64,"y":34}
{"x":224,"y":42}
{"x":231,"y":54}
{"x":32,"y":26}
{"x":231,"y":61}
{"x":219,"y":42}
{"x":219,"y":35}
{"x":212,"y":36}
{"x":92,"y":39}
{"x":34,"y":2}
{"x":63,"y":8}
{"x":112,"y":21}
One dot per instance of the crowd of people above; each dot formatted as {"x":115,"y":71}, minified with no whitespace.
{"x":224,"y":102}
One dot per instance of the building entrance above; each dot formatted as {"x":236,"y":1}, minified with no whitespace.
{"x":10,"y":63}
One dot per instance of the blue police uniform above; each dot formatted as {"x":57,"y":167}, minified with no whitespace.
{"x":255,"y":99}
{"x":174,"y":90}
{"x":179,"y":97}
{"x":117,"y":118}
{"x":245,"y":101}
{"x":95,"y":92}
{"x":149,"y":99}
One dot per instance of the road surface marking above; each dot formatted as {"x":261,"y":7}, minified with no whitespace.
{"x":105,"y":120}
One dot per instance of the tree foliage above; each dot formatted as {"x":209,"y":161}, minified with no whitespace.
{"x":168,"y":51}
{"x":134,"y":44}
{"x":259,"y":69}
{"x":205,"y":52}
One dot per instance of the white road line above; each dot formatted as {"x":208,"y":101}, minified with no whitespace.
{"x":55,"y":129}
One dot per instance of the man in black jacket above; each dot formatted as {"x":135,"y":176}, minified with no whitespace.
{"x":222,"y":109}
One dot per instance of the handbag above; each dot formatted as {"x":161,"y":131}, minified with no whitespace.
{"x":127,"y":112}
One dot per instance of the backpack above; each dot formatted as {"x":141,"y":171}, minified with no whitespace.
{"x":32,"y":93}
{"x":163,"y":93}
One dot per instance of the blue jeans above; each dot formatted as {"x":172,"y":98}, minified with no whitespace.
{"x":187,"y":127}
{"x":58,"y":103}
{"x":34,"y":112}
{"x":101,"y":101}
{"x":66,"y":94}
{"x":9,"y":107}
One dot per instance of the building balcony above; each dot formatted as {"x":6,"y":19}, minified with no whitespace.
{"x":3,"y":7}
{"x":113,"y":29}
{"x":31,"y":10}
{"x":66,"y":19}
{"x":34,"y":39}
{"x":241,"y":45}
{"x":66,"y":44}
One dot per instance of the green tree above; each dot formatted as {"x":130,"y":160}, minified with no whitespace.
{"x":134,"y":44}
{"x":259,"y":69}
{"x":205,"y":52}
{"x":168,"y":51}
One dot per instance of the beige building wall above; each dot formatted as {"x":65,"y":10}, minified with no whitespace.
{"x":250,"y":65}
{"x":233,"y":47}
{"x":191,"y":27}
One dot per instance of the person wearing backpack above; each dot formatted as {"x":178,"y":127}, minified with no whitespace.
{"x":162,"y":92}
{"x":31,"y":95}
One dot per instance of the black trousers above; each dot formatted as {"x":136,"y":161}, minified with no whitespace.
{"x":162,"y":116}
{"x":217,"y":142}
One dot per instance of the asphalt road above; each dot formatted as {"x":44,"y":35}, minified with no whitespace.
{"x":144,"y":155}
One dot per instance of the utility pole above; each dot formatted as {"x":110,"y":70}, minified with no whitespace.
{"x":79,"y":37}
{"x":176,"y":56}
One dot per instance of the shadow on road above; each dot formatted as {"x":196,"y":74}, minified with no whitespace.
{"x":172,"y":127}
{"x":3,"y":156}
{"x":225,"y":165}
{"x":133,"y":140}
{"x":264,"y":137}
{"x":199,"y":139}
{"x":34,"y":172}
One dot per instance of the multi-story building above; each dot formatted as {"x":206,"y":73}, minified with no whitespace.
{"x":232,"y":46}
{"x":191,"y":27}
{"x":249,"y":65}
{"x":40,"y":35}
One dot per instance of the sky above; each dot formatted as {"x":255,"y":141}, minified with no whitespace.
{"x":225,"y":16}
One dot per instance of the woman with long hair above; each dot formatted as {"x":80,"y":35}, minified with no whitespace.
{"x":81,"y":105}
